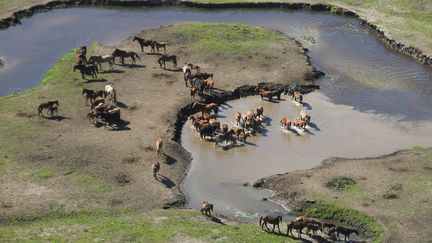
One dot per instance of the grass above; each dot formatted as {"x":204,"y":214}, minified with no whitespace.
{"x":340,"y":183}
{"x":227,"y":38}
{"x":128,"y":225}
{"x":43,"y":173}
{"x":331,"y":210}
{"x":90,"y":183}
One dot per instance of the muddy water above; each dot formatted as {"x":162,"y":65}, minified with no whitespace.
{"x":383,"y":97}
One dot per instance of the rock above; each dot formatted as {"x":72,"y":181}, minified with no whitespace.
{"x":258,"y":183}
{"x":2,"y":62}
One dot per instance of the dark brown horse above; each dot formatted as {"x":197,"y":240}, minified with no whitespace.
{"x":272,"y":219}
{"x":90,"y":70}
{"x":122,"y":54}
{"x":344,"y":231}
{"x":298,"y":226}
{"x":166,"y":58}
{"x":206,"y":208}
{"x":158,"y":45}
{"x":142,"y":42}
{"x":90,"y":95}
{"x":47,"y":106}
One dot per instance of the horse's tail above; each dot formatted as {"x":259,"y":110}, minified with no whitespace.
{"x":175,"y":60}
{"x":261,"y":219}
{"x":114,"y":95}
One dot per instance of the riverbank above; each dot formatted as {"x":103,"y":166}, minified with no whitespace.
{"x":67,"y":163}
{"x":394,"y":190}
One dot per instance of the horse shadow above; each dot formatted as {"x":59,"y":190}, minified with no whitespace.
{"x":217,"y":220}
{"x":99,"y":80}
{"x":166,"y":181}
{"x":300,"y":239}
{"x":263,"y":132}
{"x":169,"y":160}
{"x":173,"y":69}
{"x":134,"y":65}
{"x":112,"y":71}
{"x":293,"y":131}
{"x":314,"y":126}
{"x":273,"y":101}
{"x":307,"y":106}
{"x":57,"y":118}
{"x":267,"y":120}
{"x":121,"y":105}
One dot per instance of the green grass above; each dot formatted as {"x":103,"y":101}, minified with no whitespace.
{"x":90,"y":183}
{"x":227,"y":38}
{"x":340,"y":183}
{"x":43,"y":173}
{"x":329,"y":210}
{"x":128,"y":226}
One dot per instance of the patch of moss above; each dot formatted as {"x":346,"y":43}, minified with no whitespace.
{"x":340,"y":183}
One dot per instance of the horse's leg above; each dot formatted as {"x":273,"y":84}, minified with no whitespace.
{"x":278,"y":228}
{"x":164,"y":50}
{"x":274,"y":225}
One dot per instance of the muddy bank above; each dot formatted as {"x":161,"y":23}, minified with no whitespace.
{"x":2,"y":62}
{"x":384,"y":188}
{"x":400,"y":46}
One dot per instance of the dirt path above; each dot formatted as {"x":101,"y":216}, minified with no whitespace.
{"x":395,"y":190}
{"x":96,"y":167}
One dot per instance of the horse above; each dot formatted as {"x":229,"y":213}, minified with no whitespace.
{"x":208,"y":130}
{"x":81,"y":56}
{"x":47,"y":105}
{"x":298,"y":226}
{"x":110,"y":92}
{"x":304,"y":116}
{"x":260,"y":111}
{"x":158,"y":45}
{"x":90,"y":70}
{"x":122,"y":54}
{"x":307,"y":219}
{"x":209,"y":84}
{"x":206,"y":208}
{"x":266,"y":94}
{"x":274,"y":220}
{"x":299,"y":123}
{"x":98,"y":60}
{"x":90,"y":95}
{"x":242,"y":137}
{"x":224,"y":135}
{"x":110,"y":117}
{"x":297,"y":96}
{"x":285,"y":123}
{"x":313,"y":227}
{"x":159,"y":147}
{"x":277,"y":93}
{"x":99,"y":100}
{"x":166,"y":58}
{"x":193,"y":92}
{"x":155,"y":168}
{"x":238,"y":118}
{"x":206,"y":108}
{"x":345,"y":231}
{"x":91,"y":116}
{"x":186,"y":72}
{"x":53,"y":109}
{"x":142,"y":42}
{"x":194,"y":67}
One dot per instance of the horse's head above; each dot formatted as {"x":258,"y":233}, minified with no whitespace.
{"x":56,"y":102}
{"x":83,"y":92}
{"x":135,"y":38}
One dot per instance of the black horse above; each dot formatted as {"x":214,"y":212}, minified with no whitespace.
{"x":47,"y":105}
{"x":277,"y":93}
{"x":142,"y":42}
{"x":166,"y":58}
{"x":122,"y":54}
{"x":90,"y":70}
{"x":110,"y":118}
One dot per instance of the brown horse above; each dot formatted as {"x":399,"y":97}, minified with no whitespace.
{"x":285,"y":123}
{"x":142,"y":42}
{"x":47,"y":105}
{"x":158,"y":45}
{"x":238,"y":118}
{"x":194,"y":67}
{"x":206,"y":108}
{"x":91,"y":116}
{"x":298,"y":226}
{"x":274,"y":220}
{"x":159,"y":147}
{"x":206,"y":208}
{"x":299,"y":123}
{"x":155,"y":168}
{"x":345,"y":231}
{"x":98,"y":60}
{"x":166,"y":58}
{"x":313,"y":227}
{"x":260,"y":111}
{"x":193,"y":92}
{"x":297,"y":96}
{"x":122,"y":54}
{"x":266,"y":94}
{"x":308,"y":220}
{"x":242,"y":137}
{"x":209,"y":84}
{"x":98,"y":101}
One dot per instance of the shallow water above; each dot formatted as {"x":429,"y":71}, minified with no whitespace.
{"x":382,"y":97}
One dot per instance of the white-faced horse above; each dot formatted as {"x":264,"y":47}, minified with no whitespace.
{"x":110,"y":92}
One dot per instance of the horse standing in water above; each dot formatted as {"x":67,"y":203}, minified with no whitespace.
{"x":297,"y":96}
{"x":142,"y":42}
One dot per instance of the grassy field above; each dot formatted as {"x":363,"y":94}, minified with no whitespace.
{"x":128,"y":225}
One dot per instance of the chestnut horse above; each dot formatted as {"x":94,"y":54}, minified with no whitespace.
{"x":299,"y":123}
{"x":206,"y":108}
{"x":158,"y":45}
{"x":209,"y":84}
{"x":266,"y":94}
{"x":194,"y":67}
{"x":193,"y":92}
{"x":155,"y":168}
{"x":159,"y":147}
{"x":274,"y":220}
{"x":298,"y":226}
{"x":285,"y":123}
